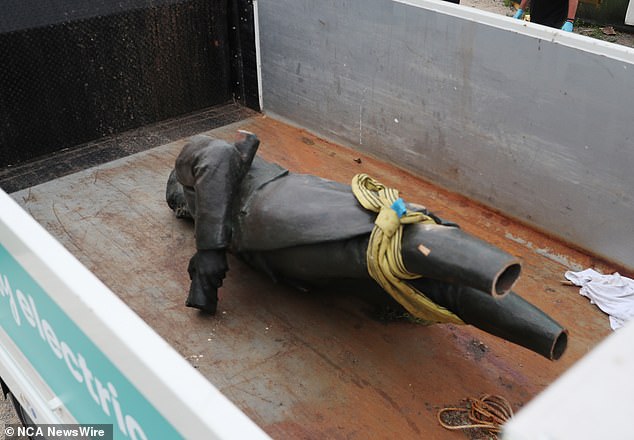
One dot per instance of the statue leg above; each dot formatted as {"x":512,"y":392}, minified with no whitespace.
{"x":451,"y":255}
{"x":316,"y":262}
{"x":509,"y":317}
{"x":443,"y":253}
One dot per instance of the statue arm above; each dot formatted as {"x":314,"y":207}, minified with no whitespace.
{"x":211,"y":172}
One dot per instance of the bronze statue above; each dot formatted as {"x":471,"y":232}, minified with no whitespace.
{"x":310,"y":231}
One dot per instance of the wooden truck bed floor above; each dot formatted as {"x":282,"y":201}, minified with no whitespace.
{"x":308,"y":365}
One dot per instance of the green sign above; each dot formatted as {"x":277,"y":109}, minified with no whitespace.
{"x":75,"y":369}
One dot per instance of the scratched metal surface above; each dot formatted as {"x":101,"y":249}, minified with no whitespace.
{"x":308,"y":365}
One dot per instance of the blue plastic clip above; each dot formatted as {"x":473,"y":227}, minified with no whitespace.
{"x":399,"y":207}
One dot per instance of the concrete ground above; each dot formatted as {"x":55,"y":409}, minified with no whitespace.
{"x":8,"y":416}
{"x":605,"y":33}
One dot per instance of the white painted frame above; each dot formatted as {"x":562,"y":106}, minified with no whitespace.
{"x":592,"y":400}
{"x":194,"y":407}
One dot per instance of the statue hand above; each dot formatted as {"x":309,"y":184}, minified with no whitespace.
{"x":207,"y":269}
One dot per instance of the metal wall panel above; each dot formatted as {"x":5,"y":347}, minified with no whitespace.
{"x":529,"y":120}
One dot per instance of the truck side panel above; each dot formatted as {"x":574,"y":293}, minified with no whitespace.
{"x":529,"y":120}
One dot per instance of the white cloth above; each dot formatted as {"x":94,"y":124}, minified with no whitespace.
{"x":614,"y":294}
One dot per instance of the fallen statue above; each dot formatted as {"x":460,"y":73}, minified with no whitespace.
{"x":304,"y":229}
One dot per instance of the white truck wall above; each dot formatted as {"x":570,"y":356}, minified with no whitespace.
{"x":597,"y":388}
{"x":530,"y":120}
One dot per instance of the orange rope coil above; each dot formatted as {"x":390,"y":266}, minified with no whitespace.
{"x":488,"y":412}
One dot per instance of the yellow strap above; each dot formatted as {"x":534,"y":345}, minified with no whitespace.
{"x":385,"y":263}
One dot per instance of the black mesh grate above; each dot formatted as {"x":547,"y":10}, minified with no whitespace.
{"x":62,"y":163}
{"x":70,"y":82}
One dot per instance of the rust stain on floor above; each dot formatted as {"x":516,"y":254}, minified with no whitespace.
{"x":312,"y":365}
